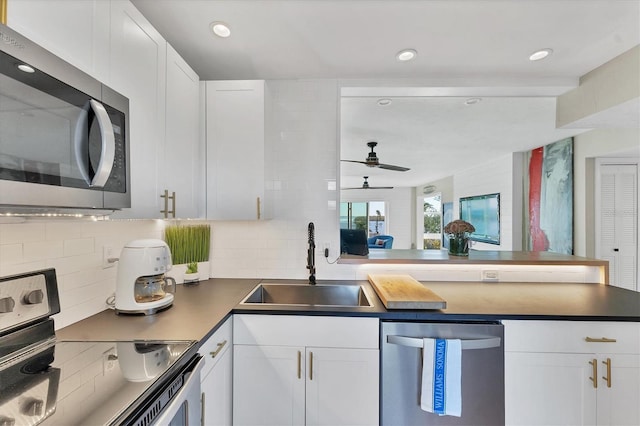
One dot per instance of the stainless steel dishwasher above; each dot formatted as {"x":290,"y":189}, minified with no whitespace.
{"x":482,"y":372}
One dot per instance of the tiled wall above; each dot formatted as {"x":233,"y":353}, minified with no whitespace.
{"x":75,"y":249}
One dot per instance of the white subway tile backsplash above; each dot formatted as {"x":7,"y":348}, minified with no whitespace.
{"x":11,"y":253}
{"x":41,"y":250}
{"x":22,"y":232}
{"x":78,"y":246}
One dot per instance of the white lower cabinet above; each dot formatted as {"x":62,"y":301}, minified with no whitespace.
{"x":296,"y":370}
{"x":572,"y":373}
{"x":216,"y":378}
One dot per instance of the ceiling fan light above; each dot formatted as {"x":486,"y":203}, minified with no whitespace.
{"x":540,"y":54}
{"x":220,"y":29}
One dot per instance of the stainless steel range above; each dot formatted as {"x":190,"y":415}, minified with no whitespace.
{"x":51,"y":382}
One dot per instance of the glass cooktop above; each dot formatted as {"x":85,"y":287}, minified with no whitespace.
{"x":85,"y":383}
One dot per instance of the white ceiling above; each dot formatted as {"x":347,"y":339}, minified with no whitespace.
{"x":459,"y":43}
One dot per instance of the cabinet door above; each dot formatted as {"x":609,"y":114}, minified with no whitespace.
{"x":181,"y":171}
{"x":268,"y":385}
{"x":82,"y":39}
{"x":138,"y":64}
{"x":235,"y":149}
{"x":342,"y":386}
{"x":217,"y":389}
{"x":619,"y":404}
{"x":549,"y":389}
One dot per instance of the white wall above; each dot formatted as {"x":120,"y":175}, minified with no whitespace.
{"x":495,"y":176}
{"x":399,"y":215}
{"x":587,"y":146}
{"x":74,"y":248}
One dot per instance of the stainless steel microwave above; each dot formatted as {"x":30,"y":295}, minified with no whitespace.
{"x":64,"y":136}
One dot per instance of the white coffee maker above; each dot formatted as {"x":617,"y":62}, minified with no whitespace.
{"x":141,"y":286}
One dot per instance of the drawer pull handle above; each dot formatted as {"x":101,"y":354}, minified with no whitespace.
{"x":599,"y":340}
{"x":310,"y":365}
{"x":218,"y":349}
{"x":608,"y":376}
{"x":299,"y":365}
{"x":594,"y":376}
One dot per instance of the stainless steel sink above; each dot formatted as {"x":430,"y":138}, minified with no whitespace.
{"x":308,"y":295}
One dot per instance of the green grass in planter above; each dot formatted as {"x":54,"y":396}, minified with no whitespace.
{"x":188,"y":243}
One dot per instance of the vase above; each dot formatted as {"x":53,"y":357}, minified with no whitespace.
{"x":459,"y":245}
{"x":191,"y":278}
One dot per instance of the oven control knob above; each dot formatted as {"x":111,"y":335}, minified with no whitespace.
{"x":7,"y":421}
{"x":33,"y":407}
{"x":33,"y":297}
{"x":6,"y":305}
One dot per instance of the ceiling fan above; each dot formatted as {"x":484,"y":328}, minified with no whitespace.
{"x":365,"y":185}
{"x":373,"y":160}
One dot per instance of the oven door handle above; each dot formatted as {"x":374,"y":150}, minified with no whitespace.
{"x":415,"y":342}
{"x":183,"y":395}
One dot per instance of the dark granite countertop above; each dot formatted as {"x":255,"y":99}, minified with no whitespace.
{"x":199,"y":310}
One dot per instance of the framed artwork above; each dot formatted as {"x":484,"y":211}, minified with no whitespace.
{"x":550,"y":198}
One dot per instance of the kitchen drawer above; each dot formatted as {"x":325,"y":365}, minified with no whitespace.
{"x":572,"y":337}
{"x":216,"y":345}
{"x":299,"y":330}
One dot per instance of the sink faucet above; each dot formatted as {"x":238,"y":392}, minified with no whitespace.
{"x":311,"y":255}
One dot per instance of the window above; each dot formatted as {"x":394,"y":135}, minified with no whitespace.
{"x":432,"y":232}
{"x":369,"y":215}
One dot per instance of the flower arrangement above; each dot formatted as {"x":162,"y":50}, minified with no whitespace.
{"x":458,"y":227}
{"x":458,"y":232}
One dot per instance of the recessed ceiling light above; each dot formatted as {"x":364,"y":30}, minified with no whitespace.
{"x":472,"y":101}
{"x":384,"y":101}
{"x":406,"y":55}
{"x":26,"y":68}
{"x":540,"y":54}
{"x":220,"y":29}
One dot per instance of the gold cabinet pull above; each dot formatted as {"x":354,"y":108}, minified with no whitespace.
{"x":258,"y":207}
{"x":202,"y":409}
{"x":594,"y":375}
{"x":599,"y":340}
{"x":310,"y":365}
{"x":166,"y":210}
{"x":299,"y":365}
{"x":218,"y":349}
{"x":608,"y":376}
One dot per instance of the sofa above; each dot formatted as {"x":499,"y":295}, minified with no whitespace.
{"x":380,"y":242}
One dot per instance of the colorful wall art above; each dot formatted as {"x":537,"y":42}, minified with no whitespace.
{"x":550,"y":198}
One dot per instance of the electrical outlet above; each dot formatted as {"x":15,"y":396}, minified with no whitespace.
{"x":327,"y":249}
{"x":107,"y":253}
{"x":109,"y":360}
{"x":490,"y":275}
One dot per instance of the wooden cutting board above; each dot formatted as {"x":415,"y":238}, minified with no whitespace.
{"x":404,"y":292}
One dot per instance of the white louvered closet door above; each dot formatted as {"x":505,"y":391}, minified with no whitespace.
{"x":618,"y":222}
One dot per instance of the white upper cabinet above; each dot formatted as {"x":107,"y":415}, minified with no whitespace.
{"x":76,"y":31}
{"x":235,"y":133}
{"x":182,"y":171}
{"x":114,"y":42}
{"x":138,"y":71}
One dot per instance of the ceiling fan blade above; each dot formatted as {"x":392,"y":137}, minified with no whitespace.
{"x":369,"y":187}
{"x":355,"y":161}
{"x":394,"y":168}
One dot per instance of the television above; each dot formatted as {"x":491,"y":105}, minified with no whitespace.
{"x":483,"y":212}
{"x":354,"y":241}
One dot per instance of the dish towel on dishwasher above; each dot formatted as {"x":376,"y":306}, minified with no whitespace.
{"x":441,"y":391}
